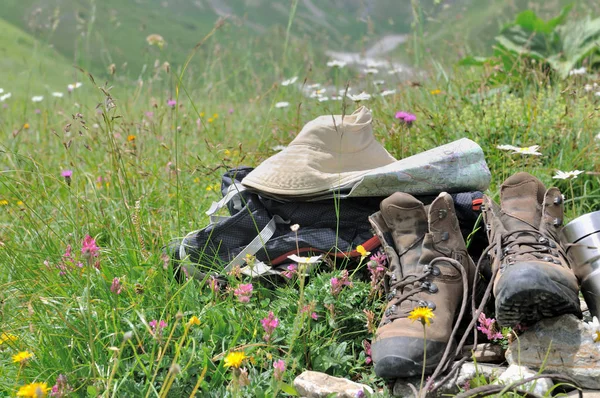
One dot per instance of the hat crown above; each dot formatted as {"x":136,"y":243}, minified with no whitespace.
{"x":338,"y":133}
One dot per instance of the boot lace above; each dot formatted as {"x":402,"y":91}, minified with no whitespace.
{"x":526,"y":244}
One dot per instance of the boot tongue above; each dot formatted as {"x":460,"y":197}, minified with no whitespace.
{"x":522,"y":196}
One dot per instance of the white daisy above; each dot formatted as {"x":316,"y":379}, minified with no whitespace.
{"x":577,"y":72}
{"x":57,"y":94}
{"x":566,"y":175}
{"x":289,"y":81}
{"x":37,"y":98}
{"x":343,"y":91}
{"x":337,"y":98}
{"x":360,"y":97}
{"x":336,"y":64}
{"x":375,"y":64}
{"x":588,"y":87}
{"x":282,"y":104}
{"x":399,"y":69}
{"x":323,"y":99}
{"x":72,"y":87}
{"x":5,"y":97}
{"x":594,"y":328}
{"x":278,"y":148}
{"x":1,"y":90}
{"x":597,"y":93}
{"x":305,"y":260}
{"x":507,"y":147}
{"x":385,"y":93}
{"x":315,"y":85}
{"x":529,"y":150}
{"x":378,"y":82}
{"x":371,"y":71}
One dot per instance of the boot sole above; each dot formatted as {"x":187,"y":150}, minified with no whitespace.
{"x":527,"y":294}
{"x":403,"y":357}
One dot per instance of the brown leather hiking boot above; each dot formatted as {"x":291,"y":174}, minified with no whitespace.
{"x":534,"y":279}
{"x":419,"y":275}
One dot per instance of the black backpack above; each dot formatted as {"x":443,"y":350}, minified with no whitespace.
{"x":260,"y":226}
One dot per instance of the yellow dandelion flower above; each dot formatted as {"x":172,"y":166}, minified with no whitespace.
{"x":196,"y":180}
{"x":34,"y":390}
{"x":3,"y":202}
{"x":250,"y":259}
{"x":436,"y":92}
{"x":215,"y":115}
{"x":235,"y":359}
{"x":20,"y":203}
{"x":194,"y":321}
{"x":201,"y":114}
{"x":26,"y":126}
{"x":7,"y":338}
{"x":209,"y":188}
{"x":131,"y":137}
{"x":22,"y":357}
{"x":210,"y":120}
{"x":362,"y":251}
{"x":422,"y":314}
{"x":227,"y":152}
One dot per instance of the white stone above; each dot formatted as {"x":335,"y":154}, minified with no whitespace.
{"x":516,"y":373}
{"x":319,"y":385}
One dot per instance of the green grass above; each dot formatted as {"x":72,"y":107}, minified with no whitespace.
{"x":157,"y":177}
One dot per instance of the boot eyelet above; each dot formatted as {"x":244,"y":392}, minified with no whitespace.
{"x":423,"y":303}
{"x":557,"y":222}
{"x":442,"y":213}
{"x":510,"y":260}
{"x":555,"y":261}
{"x":548,"y":259}
{"x":391,"y":295}
{"x":433,"y":288}
{"x":558,"y":200}
{"x":433,"y":270}
{"x":552,"y":245}
{"x":543,"y":240}
{"x":431,"y":305}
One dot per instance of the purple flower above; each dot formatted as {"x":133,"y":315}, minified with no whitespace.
{"x":360,"y":394}
{"x":149,"y":114}
{"x":337,"y":284}
{"x":171,"y":103}
{"x":89,"y":248}
{"x":61,"y":388}
{"x":243,"y":292}
{"x":213,"y":284}
{"x":230,"y":111}
{"x":157,"y":327}
{"x":67,"y":173}
{"x":292,"y":269}
{"x":279,"y":366}
{"x":487,"y":327}
{"x":269,"y":324}
{"x":367,"y":347}
{"x":116,"y":286}
{"x":405,"y":117}
{"x":37,"y":111}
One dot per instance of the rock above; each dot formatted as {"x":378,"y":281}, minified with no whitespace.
{"x":487,"y":352}
{"x":568,"y":345}
{"x":316,"y":384}
{"x":586,"y":394}
{"x":516,"y":373}
{"x":467,"y":372}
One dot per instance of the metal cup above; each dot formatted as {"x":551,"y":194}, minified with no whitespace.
{"x":581,"y":238}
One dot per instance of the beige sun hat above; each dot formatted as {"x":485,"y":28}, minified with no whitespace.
{"x":330,"y":151}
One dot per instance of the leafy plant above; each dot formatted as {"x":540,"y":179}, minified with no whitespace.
{"x":555,"y":44}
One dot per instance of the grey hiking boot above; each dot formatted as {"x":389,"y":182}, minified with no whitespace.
{"x":534,"y":279}
{"x":421,"y":274}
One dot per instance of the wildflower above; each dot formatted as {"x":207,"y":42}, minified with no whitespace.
{"x":566,"y":175}
{"x":116,"y":286}
{"x":597,"y":93}
{"x":157,"y":327}
{"x":243,"y":292}
{"x":507,"y":147}
{"x":578,"y":72}
{"x":323,"y":99}
{"x":396,"y":70}
{"x":376,"y":268}
{"x":295,"y":227}
{"x":487,"y":327}
{"x":422,"y":314}
{"x":1,"y":90}
{"x":360,"y":97}
{"x":371,"y":71}
{"x":282,"y":104}
{"x":314,"y":316}
{"x":57,"y":94}
{"x":337,"y":284}
{"x":210,"y":119}
{"x":37,"y":98}
{"x":230,"y":111}
{"x":171,"y":103}
{"x":66,"y":174}
{"x":367,"y":347}
{"x":243,"y":378}
{"x":269,"y":324}
{"x":305,"y":260}
{"x":213,"y":284}
{"x":194,"y":320}
{"x":26,"y":126}
{"x":362,"y":251}
{"x":7,"y":338}
{"x":156,"y":40}
{"x":336,"y":64}
{"x":4,"y":97}
{"x":435,"y":92}
{"x":131,"y":137}
{"x":292,"y":269}
{"x":279,"y":367}
{"x":378,"y":82}
{"x":371,"y":325}
{"x":250,"y":259}
{"x":33,"y":390}
{"x":235,"y":359}
{"x":89,"y":248}
{"x":360,"y":394}
{"x":236,"y":271}
{"x":407,"y":118}
{"x":22,"y":357}
{"x":594,"y":328}
{"x":61,"y":388}
{"x":289,"y":81}
{"x":3,"y":202}
{"x":530,"y":150}
{"x":385,"y":93}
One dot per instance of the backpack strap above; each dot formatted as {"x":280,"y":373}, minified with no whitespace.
{"x":232,"y":194}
